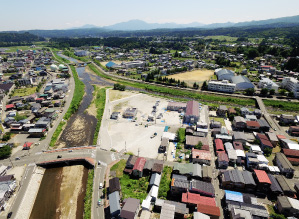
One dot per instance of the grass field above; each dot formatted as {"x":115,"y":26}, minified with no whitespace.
{"x":14,"y":48}
{"x":193,"y":76}
{"x":222,"y":38}
{"x":24,"y":91}
{"x":218,"y":119}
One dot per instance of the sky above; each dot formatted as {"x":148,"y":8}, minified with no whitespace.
{"x":64,"y":14}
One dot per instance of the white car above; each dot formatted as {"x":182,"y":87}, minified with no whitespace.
{"x":101,"y":186}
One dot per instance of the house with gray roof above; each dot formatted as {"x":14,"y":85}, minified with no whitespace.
{"x":114,"y":200}
{"x":275,"y":187}
{"x":284,"y":165}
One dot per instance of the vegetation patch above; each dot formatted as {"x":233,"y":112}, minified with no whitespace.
{"x":134,"y":188}
{"x":88,"y":195}
{"x":118,"y":168}
{"x":5,"y":151}
{"x":24,"y":91}
{"x":165,"y":183}
{"x":218,"y":119}
{"x":282,"y":105}
{"x":56,"y":133}
{"x":100,"y":101}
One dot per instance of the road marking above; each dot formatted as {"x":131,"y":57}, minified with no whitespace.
{"x":31,"y":165}
{"x":37,"y":153}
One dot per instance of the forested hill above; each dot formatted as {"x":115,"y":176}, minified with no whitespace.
{"x":18,"y":39}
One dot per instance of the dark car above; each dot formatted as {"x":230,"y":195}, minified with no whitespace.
{"x":59,"y":156}
{"x":9,"y":215}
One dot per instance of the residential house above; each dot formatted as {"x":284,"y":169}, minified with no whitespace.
{"x":252,"y":125}
{"x":232,"y":156}
{"x":288,"y":206}
{"x":130,"y":164}
{"x":138,"y":167}
{"x":37,"y":132}
{"x":192,"y":112}
{"x":203,"y":188}
{"x":114,"y":207}
{"x":272,"y":138}
{"x":114,"y":185}
{"x":284,"y":165}
{"x":179,"y":184}
{"x":251,"y":161}
{"x":219,"y":146}
{"x":212,"y":211}
{"x":222,"y":111}
{"x":192,"y":141}
{"x":292,"y":156}
{"x":294,"y":130}
{"x":286,"y":186}
{"x":130,"y":208}
{"x":239,"y":123}
{"x":263,"y":181}
{"x":207,"y":173}
{"x":250,"y":184}
{"x":264,"y":126}
{"x":287,"y":119}
{"x":201,"y":157}
{"x":245,"y":111}
{"x":275,"y":188}
{"x":215,"y":124}
{"x":193,"y":199}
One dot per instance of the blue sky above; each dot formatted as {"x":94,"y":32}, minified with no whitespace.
{"x":61,"y":14}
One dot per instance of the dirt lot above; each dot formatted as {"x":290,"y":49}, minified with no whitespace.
{"x":135,"y":135}
{"x":193,"y":76}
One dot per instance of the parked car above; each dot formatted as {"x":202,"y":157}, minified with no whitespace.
{"x":101,"y":185}
{"x":59,"y":156}
{"x":9,"y":214}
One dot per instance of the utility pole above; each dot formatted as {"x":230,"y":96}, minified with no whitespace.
{"x":125,"y":146}
{"x":138,"y":151}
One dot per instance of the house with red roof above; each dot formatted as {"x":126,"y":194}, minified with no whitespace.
{"x":201,"y":157}
{"x":9,"y":107}
{"x":27,"y":145}
{"x":265,"y":142}
{"x":252,"y":125}
{"x":212,"y":211}
{"x":263,"y":181}
{"x":192,"y":112}
{"x":197,"y":199}
{"x":219,"y":145}
{"x":138,"y":167}
{"x":292,"y":155}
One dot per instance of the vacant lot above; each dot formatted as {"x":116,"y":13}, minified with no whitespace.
{"x":24,"y":91}
{"x":136,"y":136}
{"x":193,"y":76}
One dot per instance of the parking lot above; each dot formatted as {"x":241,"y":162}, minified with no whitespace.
{"x":137,"y":134}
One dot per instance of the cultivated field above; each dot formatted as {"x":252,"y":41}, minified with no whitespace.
{"x":190,"y":77}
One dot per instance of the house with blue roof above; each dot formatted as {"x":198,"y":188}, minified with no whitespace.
{"x":233,"y":196}
{"x":110,"y":64}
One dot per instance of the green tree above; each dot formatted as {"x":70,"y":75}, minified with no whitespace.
{"x":250,"y":91}
{"x":204,"y":85}
{"x":282,"y":92}
{"x":291,"y":94}
{"x":195,"y":85}
{"x":176,"y":54}
{"x":272,"y":92}
{"x":198,"y":146}
{"x":267,"y":151}
{"x":5,"y":151}
{"x":264,"y":92}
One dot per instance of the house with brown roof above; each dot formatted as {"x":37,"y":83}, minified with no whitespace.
{"x":130,"y":208}
{"x":287,"y":119}
{"x":239,"y":123}
{"x":222,"y":160}
{"x":264,"y":141}
{"x":201,"y":157}
{"x":252,"y":125}
{"x":221,"y":111}
{"x":294,"y":130}
{"x":114,"y":185}
{"x":192,"y":141}
{"x":192,"y":112}
{"x":212,"y":211}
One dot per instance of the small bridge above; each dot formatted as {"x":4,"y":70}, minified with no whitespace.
{"x":86,"y":161}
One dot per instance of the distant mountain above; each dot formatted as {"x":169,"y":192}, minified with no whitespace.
{"x":133,"y":25}
{"x":142,"y":25}
{"x":86,"y":26}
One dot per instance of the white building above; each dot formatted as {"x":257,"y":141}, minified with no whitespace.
{"x":291,"y":84}
{"x":222,"y":86}
{"x":269,"y":84}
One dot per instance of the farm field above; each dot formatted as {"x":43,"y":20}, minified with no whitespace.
{"x":193,"y":76}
